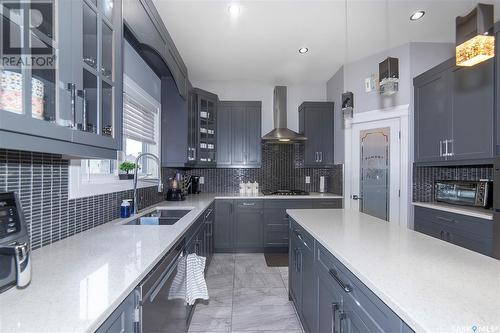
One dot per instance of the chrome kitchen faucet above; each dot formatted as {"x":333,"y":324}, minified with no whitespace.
{"x":160,"y":184}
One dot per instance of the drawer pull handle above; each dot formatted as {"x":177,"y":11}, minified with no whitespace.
{"x":445,"y":219}
{"x":302,"y":240}
{"x":344,"y":286}
{"x":248,"y":204}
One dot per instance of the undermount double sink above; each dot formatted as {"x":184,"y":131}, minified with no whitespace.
{"x":160,"y":216}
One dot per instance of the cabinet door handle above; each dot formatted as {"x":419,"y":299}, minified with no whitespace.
{"x":299,"y":236}
{"x":452,"y":147}
{"x":249,"y":204}
{"x":342,"y":316}
{"x":72,"y":92}
{"x":321,"y":156}
{"x":334,"y":275}
{"x":335,"y":307}
{"x":440,"y":147}
{"x":442,"y":234}
{"x":83,"y":95}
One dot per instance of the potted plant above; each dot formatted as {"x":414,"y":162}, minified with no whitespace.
{"x":126,"y":167}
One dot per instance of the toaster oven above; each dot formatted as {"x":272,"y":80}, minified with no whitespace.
{"x":465,"y":193}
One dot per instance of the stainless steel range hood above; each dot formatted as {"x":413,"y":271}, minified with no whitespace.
{"x":280,"y":133}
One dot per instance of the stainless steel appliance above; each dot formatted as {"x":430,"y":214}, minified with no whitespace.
{"x":15,"y":264}
{"x":194,"y":185}
{"x":463,"y":192}
{"x":285,"y":192}
{"x":158,"y":313}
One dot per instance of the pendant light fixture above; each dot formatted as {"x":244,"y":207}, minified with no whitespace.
{"x":474,"y":40}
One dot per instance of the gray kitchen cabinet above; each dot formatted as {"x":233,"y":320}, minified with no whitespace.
{"x":433,"y":115}
{"x":72,"y":108}
{"x":316,"y":122}
{"x":329,"y":301}
{"x":248,"y":225}
{"x":276,"y":222}
{"x":223,"y":226}
{"x":473,"y":112}
{"x":327,"y":203}
{"x":469,"y":232}
{"x":122,"y":320}
{"x":239,"y":134}
{"x":452,"y":105}
{"x":302,"y":277}
{"x":189,"y":134}
{"x":328,"y":297}
{"x":209,"y":221}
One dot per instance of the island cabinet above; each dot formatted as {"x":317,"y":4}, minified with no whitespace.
{"x":239,"y":134}
{"x":472,"y":233}
{"x":452,"y":105}
{"x":122,"y":320}
{"x":316,"y":122}
{"x":328,"y":297}
{"x":71,"y":105}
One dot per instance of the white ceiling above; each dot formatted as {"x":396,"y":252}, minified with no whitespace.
{"x":262,"y":43}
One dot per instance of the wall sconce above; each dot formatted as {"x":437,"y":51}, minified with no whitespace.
{"x":473,"y":41}
{"x":388,"y":73}
{"x":348,"y":105}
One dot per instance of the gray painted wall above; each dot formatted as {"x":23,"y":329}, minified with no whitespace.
{"x":140,"y":72}
{"x":334,"y":90}
{"x":414,"y":59}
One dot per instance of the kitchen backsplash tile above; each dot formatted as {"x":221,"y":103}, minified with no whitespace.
{"x":282,"y":168}
{"x":41,"y":181}
{"x":424,"y":178}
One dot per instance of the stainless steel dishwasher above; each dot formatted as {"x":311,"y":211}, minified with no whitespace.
{"x":157,"y":313}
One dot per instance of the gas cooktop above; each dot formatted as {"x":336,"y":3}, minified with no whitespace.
{"x":285,"y":192}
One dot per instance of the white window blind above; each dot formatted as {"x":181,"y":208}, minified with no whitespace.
{"x":139,"y":120}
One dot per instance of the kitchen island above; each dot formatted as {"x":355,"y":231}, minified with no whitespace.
{"x":433,"y":286}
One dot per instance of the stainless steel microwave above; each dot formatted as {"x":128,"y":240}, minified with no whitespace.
{"x":464,"y":192}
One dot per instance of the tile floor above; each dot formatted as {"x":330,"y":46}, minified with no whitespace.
{"x":246,"y":296}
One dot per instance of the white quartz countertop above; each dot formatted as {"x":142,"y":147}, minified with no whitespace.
{"x":312,"y":195}
{"x":433,"y":286}
{"x":79,"y":281}
{"x":478,"y":212}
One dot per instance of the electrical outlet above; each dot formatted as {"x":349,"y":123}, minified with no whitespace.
{"x":202,"y":180}
{"x":308,"y":179}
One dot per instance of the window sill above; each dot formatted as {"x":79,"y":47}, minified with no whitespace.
{"x":79,"y":188}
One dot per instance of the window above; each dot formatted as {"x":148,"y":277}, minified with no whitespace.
{"x":141,"y":134}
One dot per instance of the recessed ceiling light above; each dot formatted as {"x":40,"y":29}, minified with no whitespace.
{"x":234,"y":10}
{"x":417,"y":15}
{"x":303,"y":50}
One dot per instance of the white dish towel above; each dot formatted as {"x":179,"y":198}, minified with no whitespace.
{"x":189,"y":283}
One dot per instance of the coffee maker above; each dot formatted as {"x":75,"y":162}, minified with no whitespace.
{"x":175,"y":191}
{"x":15,"y":264}
{"x":194,"y":185}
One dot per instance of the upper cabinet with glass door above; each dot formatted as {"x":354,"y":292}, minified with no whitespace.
{"x":62,"y":89}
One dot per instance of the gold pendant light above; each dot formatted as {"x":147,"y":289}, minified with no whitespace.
{"x":473,"y":39}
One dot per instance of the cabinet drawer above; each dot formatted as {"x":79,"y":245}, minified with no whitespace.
{"x":288,"y":203}
{"x":275,"y":216}
{"x":276,"y":235}
{"x":327,"y":203}
{"x":245,"y":204}
{"x":466,"y":224}
{"x":371,"y":310}
{"x":303,"y":237}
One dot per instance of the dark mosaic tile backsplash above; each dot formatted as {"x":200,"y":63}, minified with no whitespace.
{"x":282,"y":168}
{"x":424,"y":177}
{"x":41,"y":181}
